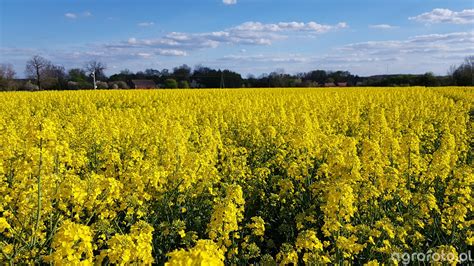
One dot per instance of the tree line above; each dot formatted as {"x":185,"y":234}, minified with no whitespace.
{"x":42,"y":74}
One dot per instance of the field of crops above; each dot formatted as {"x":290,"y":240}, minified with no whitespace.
{"x":235,"y":176}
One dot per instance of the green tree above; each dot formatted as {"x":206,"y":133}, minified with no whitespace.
{"x":183,"y":84}
{"x":429,"y":80}
{"x":57,"y":77}
{"x":77,"y":75}
{"x":182,"y":72}
{"x":170,"y":84}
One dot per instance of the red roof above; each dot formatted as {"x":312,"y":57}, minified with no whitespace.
{"x":143,"y":84}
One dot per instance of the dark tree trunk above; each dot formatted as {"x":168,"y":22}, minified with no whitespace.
{"x":38,"y":78}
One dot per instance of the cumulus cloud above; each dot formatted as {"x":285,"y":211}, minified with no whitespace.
{"x":442,"y":15}
{"x":430,"y":43}
{"x":327,"y":61}
{"x":70,"y":15}
{"x":288,"y":26}
{"x":146,"y":24}
{"x":430,"y":52}
{"x":171,"y":52}
{"x":248,"y":33}
{"x":163,"y":52}
{"x":383,"y":27}
{"x":229,"y":2}
{"x":144,"y":55}
{"x":270,"y":58}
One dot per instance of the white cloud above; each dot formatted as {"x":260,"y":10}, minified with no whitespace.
{"x":146,"y":24}
{"x":248,"y":33}
{"x":266,"y":58}
{"x":442,"y":15}
{"x":288,"y":26}
{"x":431,"y":52}
{"x":144,"y":55}
{"x":70,"y":15}
{"x":171,"y":52}
{"x":383,"y":27}
{"x":418,"y":44}
{"x":229,"y":2}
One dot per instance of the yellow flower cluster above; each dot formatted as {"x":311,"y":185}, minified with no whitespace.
{"x":133,"y":248}
{"x":251,"y":176}
{"x":72,"y":244}
{"x":206,"y":252}
{"x":308,"y":243}
{"x":225,"y":218}
{"x":257,"y":226}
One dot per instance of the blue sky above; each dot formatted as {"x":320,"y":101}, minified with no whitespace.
{"x":365,"y":37}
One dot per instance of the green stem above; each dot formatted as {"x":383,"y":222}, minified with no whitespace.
{"x":38,"y":210}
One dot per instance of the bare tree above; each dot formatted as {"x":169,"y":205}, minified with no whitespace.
{"x":7,"y":71}
{"x":464,"y":74}
{"x":36,"y":67}
{"x":7,"y":74}
{"x":469,"y":61}
{"x":97,"y":67}
{"x":57,"y":77}
{"x":451,"y":72}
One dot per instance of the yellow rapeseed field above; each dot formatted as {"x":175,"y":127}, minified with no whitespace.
{"x":207,"y":177}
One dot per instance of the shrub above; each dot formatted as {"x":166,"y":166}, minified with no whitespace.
{"x":28,"y":86}
{"x":170,"y":84}
{"x":102,"y":85}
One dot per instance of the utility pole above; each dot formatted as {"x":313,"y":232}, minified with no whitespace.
{"x":93,"y":77}
{"x":222,"y":80}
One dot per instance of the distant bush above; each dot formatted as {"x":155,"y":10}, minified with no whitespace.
{"x":83,"y":85}
{"x":28,"y":86}
{"x":102,"y":85}
{"x":9,"y":85}
{"x":170,"y":84}
{"x":72,"y":85}
{"x":183,"y":84}
{"x":118,"y":85}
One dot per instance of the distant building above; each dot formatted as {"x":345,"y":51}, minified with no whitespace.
{"x":342,"y":84}
{"x":329,"y":84}
{"x":143,"y":84}
{"x":194,"y":84}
